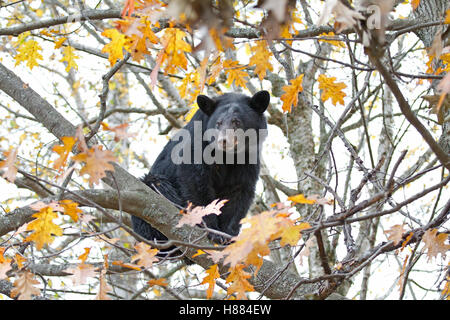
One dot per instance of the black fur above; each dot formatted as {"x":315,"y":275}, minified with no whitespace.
{"x":202,"y":183}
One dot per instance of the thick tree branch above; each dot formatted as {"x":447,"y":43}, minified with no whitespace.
{"x":45,"y":23}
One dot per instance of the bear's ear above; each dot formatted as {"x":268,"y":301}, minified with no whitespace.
{"x":260,"y":101}
{"x":207,"y":105}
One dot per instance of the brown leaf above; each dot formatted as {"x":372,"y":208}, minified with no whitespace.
{"x":97,"y":162}
{"x":24,"y":286}
{"x":81,"y":273}
{"x":11,"y":170}
{"x":104,"y":288}
{"x":435,"y":243}
{"x":194,"y":215}
{"x":395,"y":233}
{"x":146,"y":255}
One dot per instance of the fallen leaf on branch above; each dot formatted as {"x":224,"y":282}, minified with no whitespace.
{"x":194,"y":215}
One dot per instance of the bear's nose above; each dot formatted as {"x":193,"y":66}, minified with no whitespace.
{"x":229,"y":143}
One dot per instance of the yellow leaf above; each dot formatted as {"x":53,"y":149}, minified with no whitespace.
{"x":332,"y":90}
{"x":116,"y":46}
{"x":69,"y":56}
{"x":415,"y":4}
{"x":447,"y":17}
{"x":188,"y":116}
{"x":336,"y":43}
{"x":261,"y":59}
{"x":290,"y":96}
{"x":174,"y":49}
{"x":300,"y":198}
{"x":43,"y":228}
{"x":235,"y":73}
{"x":29,"y":52}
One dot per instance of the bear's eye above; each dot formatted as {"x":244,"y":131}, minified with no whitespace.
{"x":235,"y":122}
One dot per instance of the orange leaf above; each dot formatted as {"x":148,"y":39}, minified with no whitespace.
{"x":128,"y":8}
{"x":210,"y":279}
{"x":96,"y":163}
{"x":71,"y":209}
{"x":332,"y":90}
{"x":5,"y":264}
{"x":63,"y":151}
{"x":162,"y":282}
{"x":290,"y":96}
{"x":239,"y":283}
{"x":300,"y":198}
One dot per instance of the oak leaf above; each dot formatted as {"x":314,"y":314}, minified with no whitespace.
{"x":210,"y":279}
{"x":435,"y":243}
{"x":5,"y":264}
{"x":120,"y":131}
{"x":29,"y":52}
{"x":43,"y":228}
{"x":331,"y":90}
{"x":81,"y":273}
{"x":174,"y":49}
{"x":11,"y":170}
{"x":239,"y":283}
{"x":71,"y":209}
{"x":261,"y":59}
{"x":24,"y":286}
{"x":290,"y":96}
{"x":235,"y":73}
{"x":69,"y":56}
{"x":194,"y":215}
{"x":63,"y":151}
{"x":395,"y":233}
{"x":103,"y":288}
{"x":146,"y":256}
{"x":116,"y":46}
{"x":97,"y":162}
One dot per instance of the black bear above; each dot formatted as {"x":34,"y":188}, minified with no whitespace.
{"x":208,"y":160}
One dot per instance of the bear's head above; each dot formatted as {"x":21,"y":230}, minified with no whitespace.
{"x":236,"y":119}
